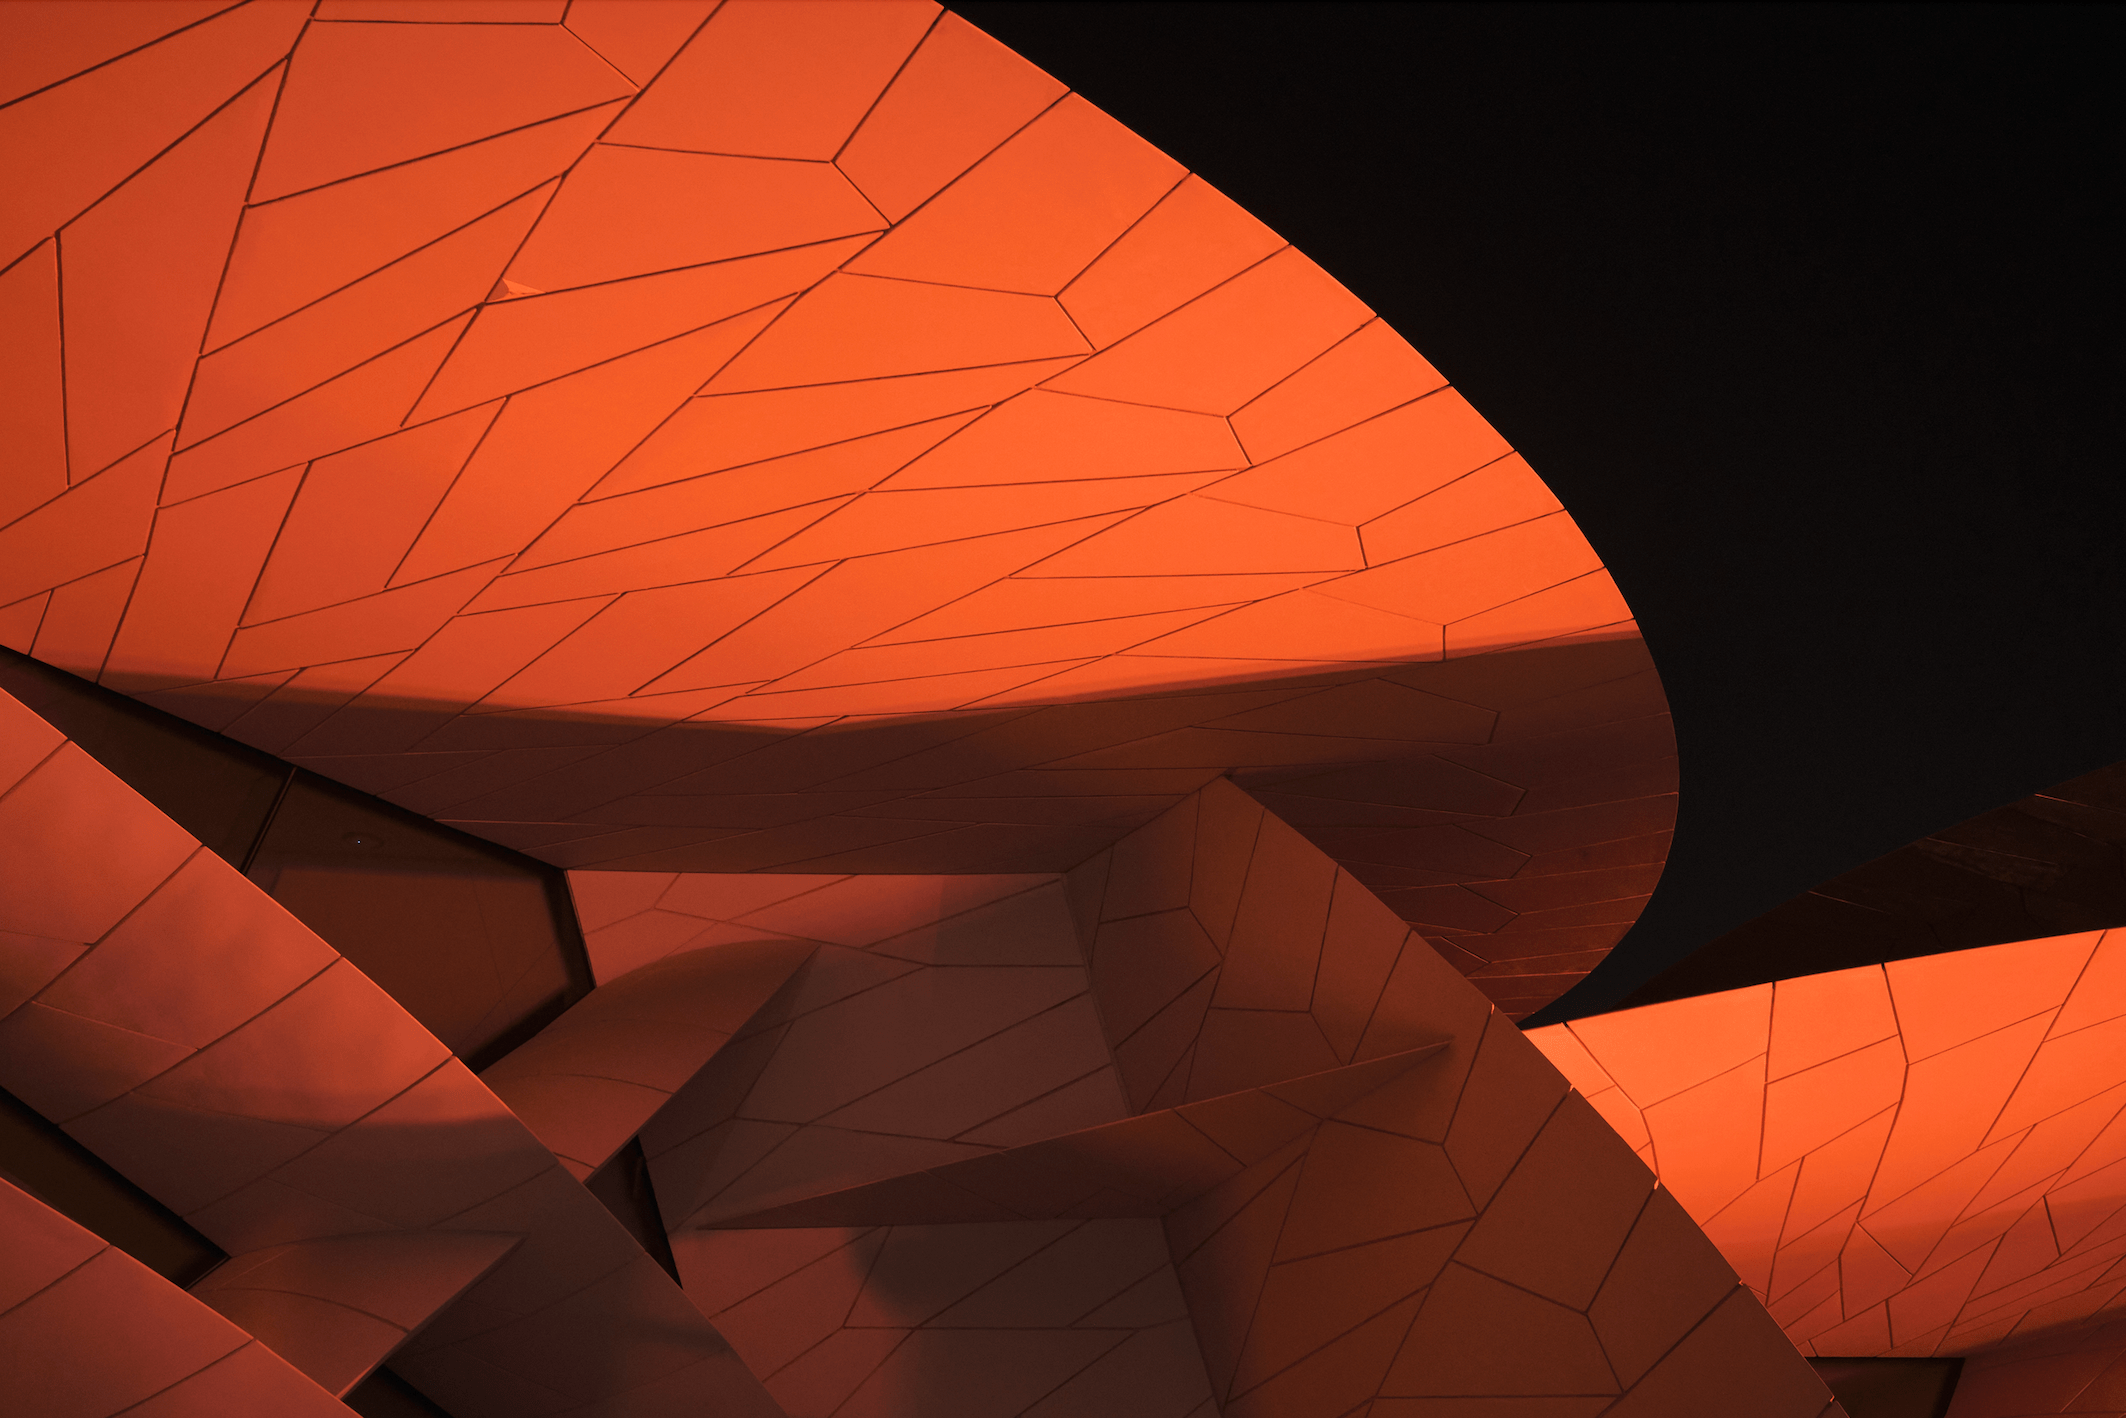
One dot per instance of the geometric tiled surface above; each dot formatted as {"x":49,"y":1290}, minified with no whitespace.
{"x":1201,"y":1123}
{"x":86,"y":1330}
{"x":377,"y":1201}
{"x":1529,"y":863}
{"x":783,"y":436}
{"x":976,"y":1103}
{"x":587,"y":1082}
{"x":335,"y":1306}
{"x":872,"y":1064}
{"x":1072,"y":743}
{"x":1924,"y":1157}
{"x":1045,"y":1318}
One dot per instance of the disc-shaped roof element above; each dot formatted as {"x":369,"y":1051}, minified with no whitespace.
{"x":1926,"y":1157}
{"x":788,"y":436}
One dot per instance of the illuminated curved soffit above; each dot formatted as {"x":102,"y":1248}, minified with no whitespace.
{"x":1921,"y":1158}
{"x":803,"y":437}
{"x":1922,"y":1155}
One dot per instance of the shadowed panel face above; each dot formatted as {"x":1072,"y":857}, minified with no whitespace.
{"x":1892,"y":1388}
{"x":755,"y":439}
{"x":1199,"y":1117}
{"x":47,"y":1165}
{"x":933,"y":1163}
{"x":178,"y":1023}
{"x":2073,"y":1371}
{"x":1084,"y":1316}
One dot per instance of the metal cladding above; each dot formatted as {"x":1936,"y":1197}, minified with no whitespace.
{"x":1070,"y":746}
{"x":791,"y":437}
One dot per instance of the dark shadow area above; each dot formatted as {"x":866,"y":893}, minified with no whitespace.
{"x":1797,"y":309}
{"x":1398,"y":770}
{"x":219,"y":790}
{"x":42,"y":1160}
{"x":2051,"y":864}
{"x":1891,"y":1388}
{"x":623,"y":1185}
{"x":476,"y":941}
{"x":385,"y":1395}
{"x":463,"y":933}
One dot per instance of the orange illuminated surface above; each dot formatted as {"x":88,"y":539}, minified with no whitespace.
{"x":1925,"y":1157}
{"x":1071,"y":742}
{"x":785,"y":437}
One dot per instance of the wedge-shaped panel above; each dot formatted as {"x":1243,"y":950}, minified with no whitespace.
{"x":234,"y":1067}
{"x":590,"y":1080}
{"x":86,"y":1329}
{"x":1148,"y":1165}
{"x":1430,"y":1222}
{"x":338,"y":1306}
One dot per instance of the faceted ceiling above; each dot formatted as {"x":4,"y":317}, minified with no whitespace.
{"x":802,"y":437}
{"x":1044,"y":750}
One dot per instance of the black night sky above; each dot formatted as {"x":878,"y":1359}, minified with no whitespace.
{"x":1807,"y":313}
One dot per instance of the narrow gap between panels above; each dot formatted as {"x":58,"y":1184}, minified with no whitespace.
{"x":404,"y":898}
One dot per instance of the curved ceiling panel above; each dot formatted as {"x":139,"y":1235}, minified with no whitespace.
{"x":780,"y":437}
{"x":1920,"y":1158}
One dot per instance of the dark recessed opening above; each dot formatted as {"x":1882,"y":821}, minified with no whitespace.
{"x":623,"y":1184}
{"x":385,"y":1395}
{"x":1891,"y":1388}
{"x":476,"y":941}
{"x":37,"y":1156}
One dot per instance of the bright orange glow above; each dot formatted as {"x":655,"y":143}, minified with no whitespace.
{"x":703,"y":379}
{"x":1072,"y":740}
{"x":1925,"y":1157}
{"x":705,"y":243}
